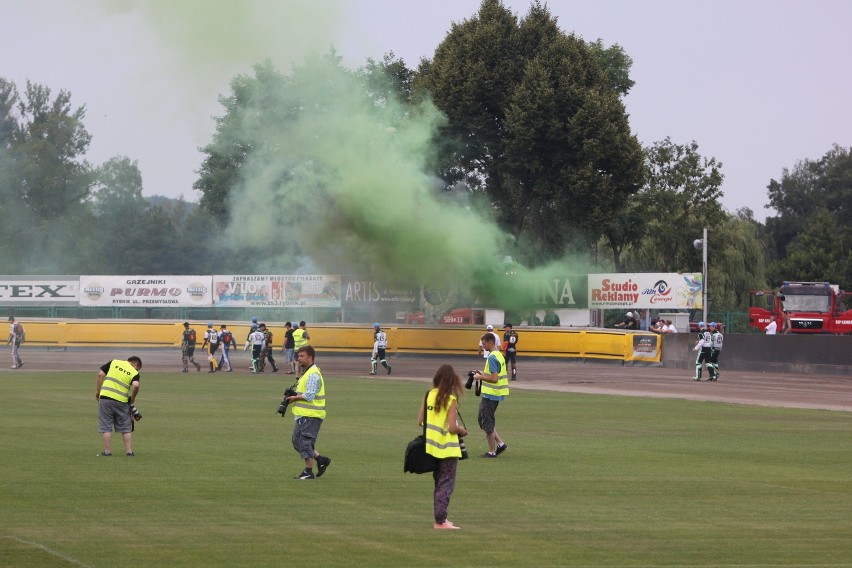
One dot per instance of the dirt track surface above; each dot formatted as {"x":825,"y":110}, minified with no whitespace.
{"x":764,"y":389}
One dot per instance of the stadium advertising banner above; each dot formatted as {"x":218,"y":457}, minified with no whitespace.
{"x":145,"y":291}
{"x":561,"y":292}
{"x":645,"y":290}
{"x":277,"y":291}
{"x":54,"y":290}
{"x":368,"y":292}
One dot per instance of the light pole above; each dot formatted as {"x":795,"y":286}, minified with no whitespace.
{"x":701,"y":244}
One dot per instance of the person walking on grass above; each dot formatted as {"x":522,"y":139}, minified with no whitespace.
{"x":439,"y":413}
{"x":116,"y":389}
{"x":495,"y":387}
{"x":308,"y":405}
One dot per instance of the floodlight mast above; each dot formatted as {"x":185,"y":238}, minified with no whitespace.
{"x":704,"y":276}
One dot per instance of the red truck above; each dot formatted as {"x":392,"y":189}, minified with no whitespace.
{"x":802,"y":307}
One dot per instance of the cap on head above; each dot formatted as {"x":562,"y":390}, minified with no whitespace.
{"x":254,"y":319}
{"x":630,"y":314}
{"x":209,"y":324}
{"x":712,"y":324}
{"x":376,"y":325}
{"x":11,"y":318}
{"x":702,"y":325}
{"x":489,"y":327}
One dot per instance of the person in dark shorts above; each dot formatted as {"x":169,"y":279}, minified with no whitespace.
{"x":187,"y":347}
{"x":510,"y":349}
{"x":116,"y":389}
{"x":308,"y":405}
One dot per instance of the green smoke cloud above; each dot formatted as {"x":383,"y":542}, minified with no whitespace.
{"x":329,"y":168}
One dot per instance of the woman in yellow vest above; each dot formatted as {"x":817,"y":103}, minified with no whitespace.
{"x":440,"y":412}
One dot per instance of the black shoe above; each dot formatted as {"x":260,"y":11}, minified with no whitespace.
{"x":104,"y":455}
{"x":130,"y":454}
{"x":274,"y":369}
{"x":488,"y":455}
{"x":389,"y":369}
{"x":305,"y":475}
{"x":501,"y":449}
{"x":322,"y":463}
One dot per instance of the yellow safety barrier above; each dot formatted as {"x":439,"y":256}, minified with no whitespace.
{"x":533,"y":342}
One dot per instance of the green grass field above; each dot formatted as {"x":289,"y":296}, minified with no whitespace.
{"x":587,"y":481}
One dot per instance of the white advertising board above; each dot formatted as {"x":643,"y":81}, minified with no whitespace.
{"x":283,"y":291}
{"x":145,"y":291}
{"x":651,"y":290}
{"x":39,"y":290}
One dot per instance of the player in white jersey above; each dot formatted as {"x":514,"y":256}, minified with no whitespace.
{"x":704,"y":347}
{"x":716,"y":340}
{"x":380,"y":345}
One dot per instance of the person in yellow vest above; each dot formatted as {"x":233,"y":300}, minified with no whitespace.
{"x":116,"y":390}
{"x":301,"y":337}
{"x":308,"y":407}
{"x":495,"y":387}
{"x":440,"y":412}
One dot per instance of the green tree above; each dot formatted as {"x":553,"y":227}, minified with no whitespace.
{"x":681,"y":197}
{"x":117,"y":187}
{"x":250,"y":108}
{"x":44,"y":181}
{"x":812,"y":234}
{"x":736,"y":261}
{"x":616,"y":64}
{"x":535,"y":126}
{"x":48,"y":147}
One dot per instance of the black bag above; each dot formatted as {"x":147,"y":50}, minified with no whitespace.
{"x":416,"y":458}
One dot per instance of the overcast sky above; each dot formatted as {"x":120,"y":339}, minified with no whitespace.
{"x":758,"y":84}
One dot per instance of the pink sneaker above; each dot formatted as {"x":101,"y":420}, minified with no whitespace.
{"x":445,"y":525}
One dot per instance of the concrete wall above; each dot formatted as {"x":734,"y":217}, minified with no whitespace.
{"x":818,"y":354}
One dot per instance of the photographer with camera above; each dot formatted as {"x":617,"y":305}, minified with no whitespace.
{"x":308,"y":405}
{"x":495,"y":387}
{"x":116,"y":389}
{"x":439,"y":411}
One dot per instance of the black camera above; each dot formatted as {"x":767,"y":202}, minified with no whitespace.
{"x":134,"y":412}
{"x":470,"y":377}
{"x":282,"y":408}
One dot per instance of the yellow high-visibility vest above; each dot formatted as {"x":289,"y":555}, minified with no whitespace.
{"x":299,"y":338}
{"x":117,"y":382}
{"x":501,"y":387}
{"x":440,"y":442}
{"x":316,"y":407}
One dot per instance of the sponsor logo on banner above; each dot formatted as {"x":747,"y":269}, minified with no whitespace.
{"x":368,"y":291}
{"x":281,"y":291}
{"x":145,"y":291}
{"x":645,"y":290}
{"x":42,"y":291}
